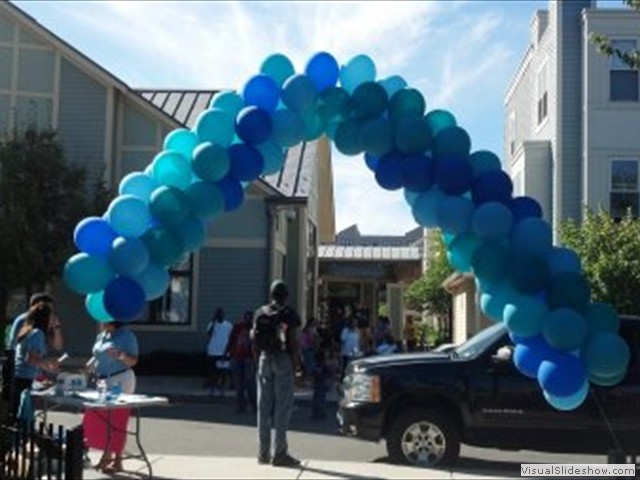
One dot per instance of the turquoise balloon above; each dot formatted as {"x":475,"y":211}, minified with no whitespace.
{"x":482,"y":161}
{"x":334,"y":104}
{"x":288,"y":128}
{"x":274,"y":157}
{"x":193,"y":233}
{"x":95,"y":306}
{"x":215,"y":126}
{"x":169,"y":205}
{"x":313,"y":126}
{"x":491,"y":262}
{"x":128,"y":216}
{"x":570,"y":402}
{"x":524,"y":315}
{"x":406,"y":103}
{"x":461,"y":250}
{"x":139,"y":185}
{"x":606,"y":354}
{"x":210,"y":162}
{"x":164,"y":245}
{"x":128,"y":256}
{"x":410,"y":197}
{"x":154,"y":281}
{"x":229,"y":102}
{"x":358,"y":70}
{"x":172,"y":169}
{"x":602,"y":318}
{"x":206,"y":200}
{"x":278,"y":67}
{"x":439,"y":120}
{"x":565,"y":329}
{"x":182,"y":141}
{"x":84,"y":273}
{"x":299,"y":94}
{"x":392,"y":84}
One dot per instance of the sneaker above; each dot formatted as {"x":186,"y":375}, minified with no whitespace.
{"x":285,"y":460}
{"x":264,"y":459}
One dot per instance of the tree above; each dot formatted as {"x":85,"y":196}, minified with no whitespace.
{"x":606,"y":47}
{"x":42,"y":198}
{"x":610,"y":254}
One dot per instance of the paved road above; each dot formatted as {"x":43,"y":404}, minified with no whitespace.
{"x":215,"y":430}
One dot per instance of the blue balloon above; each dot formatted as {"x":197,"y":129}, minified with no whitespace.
{"x":169,"y":205}
{"x":606,"y":354}
{"x":418,"y":173}
{"x":524,"y":315}
{"x":528,"y":356}
{"x":278,"y":67}
{"x":492,"y":186}
{"x":565,"y":329}
{"x":94,"y":303}
{"x":215,"y":126}
{"x":210,"y":162}
{"x":454,"y":214}
{"x":461,"y":250}
{"x":492,"y":220}
{"x":192,"y":232}
{"x":246,"y":162}
{"x":228,"y":101}
{"x":392,"y":84}
{"x":453,"y":175}
{"x":491,"y":262}
{"x":288,"y":128}
{"x":253,"y":125}
{"x":602,"y":318}
{"x":299,"y":93}
{"x":406,"y":103}
{"x":438,"y":120}
{"x":347,"y":138}
{"x":562,"y":376}
{"x":568,"y":290}
{"x":182,"y":141}
{"x":451,"y":142}
{"x":425,"y":208}
{"x":129,"y":256}
{"x":94,"y":236}
{"x":128,"y":216}
{"x":233,"y":193}
{"x":484,"y":161}
{"x":323,"y":70}
{"x":139,"y":185}
{"x":532,"y":235}
{"x":369,"y":100}
{"x":413,"y":135}
{"x":561,"y":260}
{"x":389,"y":171}
{"x":124,"y":299}
{"x":84,"y":273}
{"x":262,"y":91}
{"x":358,"y":70}
{"x":206,"y":199}
{"x":524,"y":207}
{"x":569,"y":402}
{"x":377,"y":136}
{"x":371,"y":161}
{"x":274,"y":157}
{"x":154,"y":281}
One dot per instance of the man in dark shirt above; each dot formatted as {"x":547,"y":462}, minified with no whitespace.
{"x":276,"y":373}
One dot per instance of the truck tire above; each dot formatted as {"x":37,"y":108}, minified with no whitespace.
{"x":423,"y":438}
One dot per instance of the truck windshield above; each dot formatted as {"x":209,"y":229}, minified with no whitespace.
{"x":479,"y":342}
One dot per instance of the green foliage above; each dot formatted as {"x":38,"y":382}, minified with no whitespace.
{"x":383,"y":310}
{"x":427,"y":294}
{"x":605,"y":46}
{"x":610,"y":255}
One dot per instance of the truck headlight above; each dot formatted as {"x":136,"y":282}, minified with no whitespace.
{"x":363,"y":388}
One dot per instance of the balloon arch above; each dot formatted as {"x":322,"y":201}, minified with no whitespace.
{"x":536,"y":289}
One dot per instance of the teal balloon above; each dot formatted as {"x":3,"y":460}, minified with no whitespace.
{"x":376,"y":136}
{"x":570,"y":402}
{"x":438,"y":120}
{"x":461,"y":250}
{"x":524,"y":315}
{"x":288,"y":128}
{"x":563,"y":260}
{"x":565,"y":329}
{"x":206,"y":200}
{"x":278,"y":67}
{"x":392,"y":84}
{"x":529,"y":273}
{"x":533,"y":235}
{"x":169,"y":205}
{"x":154,"y":281}
{"x":410,"y":197}
{"x":602,"y":318}
{"x":491,"y":262}
{"x":334,"y":104}
{"x":482,"y":161}
{"x":172,"y":169}
{"x":492,"y":220}
{"x":274,"y":157}
{"x":606,"y":354}
{"x":347,"y":139}
{"x":164,"y":245}
{"x":406,"y":103}
{"x":452,"y":142}
{"x":413,"y":135}
{"x":299,"y":93}
{"x":605,"y":381}
{"x":454,"y":214}
{"x":568,"y":290}
{"x":182,"y":141}
{"x":425,"y":208}
{"x":369,"y":100}
{"x":493,"y":303}
{"x":84,"y":273}
{"x":229,"y":102}
{"x":128,"y":256}
{"x":210,"y":162}
{"x":193,"y":233}
{"x":139,"y":185}
{"x":313,"y":126}
{"x":94,"y":303}
{"x":128,"y":216}
{"x":215,"y":126}
{"x":358,"y":70}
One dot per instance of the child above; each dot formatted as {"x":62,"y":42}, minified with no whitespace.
{"x":321,"y":377}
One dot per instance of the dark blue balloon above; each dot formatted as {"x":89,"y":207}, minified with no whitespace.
{"x":323,"y":70}
{"x":124,"y":299}
{"x":94,"y":236}
{"x":371,"y":161}
{"x":262,"y":91}
{"x":389,"y":171}
{"x":418,"y":173}
{"x":454,"y":175}
{"x":524,"y":207}
{"x":492,"y":186}
{"x":527,"y":359}
{"x":246,"y":162}
{"x":233,"y":193}
{"x":253,"y":125}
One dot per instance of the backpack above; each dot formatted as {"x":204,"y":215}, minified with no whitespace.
{"x":267,"y":327}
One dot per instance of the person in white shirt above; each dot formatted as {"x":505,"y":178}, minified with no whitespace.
{"x":218,"y":331}
{"x":350,"y":344}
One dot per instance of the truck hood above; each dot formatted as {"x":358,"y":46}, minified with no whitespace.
{"x":392,"y":360}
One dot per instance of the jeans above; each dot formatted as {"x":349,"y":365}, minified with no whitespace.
{"x":275,"y":401}
{"x":244,"y":381}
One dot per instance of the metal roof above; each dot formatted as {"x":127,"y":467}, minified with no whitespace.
{"x":343,"y":252}
{"x":295,"y":178}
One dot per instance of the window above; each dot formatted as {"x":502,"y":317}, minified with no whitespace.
{"x":174,"y":308}
{"x":623,"y":80}
{"x":624,"y":188}
{"x":542,"y":95}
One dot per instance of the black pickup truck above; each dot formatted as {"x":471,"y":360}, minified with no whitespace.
{"x":426,"y":404}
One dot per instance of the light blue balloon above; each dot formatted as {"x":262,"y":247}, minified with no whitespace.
{"x":392,"y":84}
{"x":172,"y":169}
{"x":182,"y":141}
{"x":154,"y":281}
{"x":461,"y":249}
{"x":570,"y":402}
{"x":274,"y":157}
{"x":84,"y":273}
{"x":94,"y":303}
{"x":210,"y":162}
{"x":129,"y":256}
{"x":128,"y":216}
{"x":494,"y":300}
{"x":278,"y":67}
{"x":425,"y":208}
{"x":288,"y":128}
{"x":524,"y":315}
{"x":215,"y":126}
{"x":139,"y":185}
{"x":358,"y":70}
{"x":229,"y":102}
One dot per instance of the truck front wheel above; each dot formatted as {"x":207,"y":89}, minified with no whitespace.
{"x":424,"y":438}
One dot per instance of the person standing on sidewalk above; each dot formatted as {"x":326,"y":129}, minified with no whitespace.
{"x":218,"y":331}
{"x":276,"y":348}
{"x":242,"y":365}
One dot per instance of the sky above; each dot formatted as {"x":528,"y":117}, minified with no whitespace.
{"x":461,"y":55}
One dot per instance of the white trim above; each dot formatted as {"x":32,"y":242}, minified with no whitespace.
{"x":231,"y":242}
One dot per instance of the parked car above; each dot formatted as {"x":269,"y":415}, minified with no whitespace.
{"x":424,"y":405}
